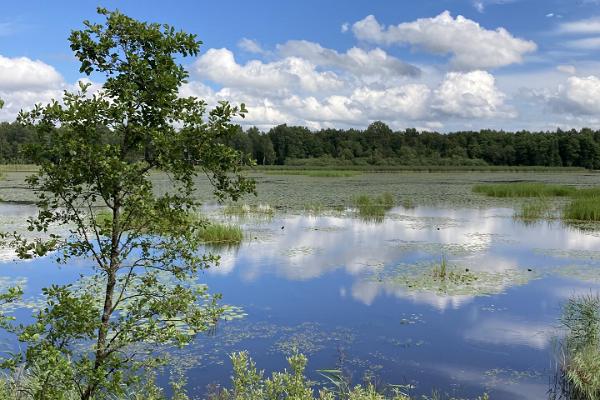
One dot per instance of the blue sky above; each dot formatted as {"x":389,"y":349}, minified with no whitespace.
{"x":438,"y":65}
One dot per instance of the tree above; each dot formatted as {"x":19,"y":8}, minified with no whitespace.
{"x":95,"y":153}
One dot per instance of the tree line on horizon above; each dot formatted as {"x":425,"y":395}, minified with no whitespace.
{"x":378,"y":144}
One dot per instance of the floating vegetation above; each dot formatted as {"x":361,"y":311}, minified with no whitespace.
{"x":325,"y":173}
{"x":405,"y":344}
{"x":451,"y":280}
{"x":412,"y":319}
{"x":310,"y":338}
{"x":500,"y":377}
{"x":592,"y":255}
{"x":585,"y":273}
{"x":523,"y":189}
{"x":455,"y":249}
{"x":493,"y":308}
{"x":302,"y":251}
{"x":245,"y":210}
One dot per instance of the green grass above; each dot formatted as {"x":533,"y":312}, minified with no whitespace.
{"x":373,"y":208}
{"x":216,"y":233}
{"x":534,"y":210}
{"x":586,"y":192}
{"x":583,"y":209}
{"x":524,"y":189}
{"x":210,"y":232}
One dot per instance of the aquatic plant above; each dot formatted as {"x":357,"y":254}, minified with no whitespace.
{"x":583,"y":209}
{"x":578,"y":374}
{"x":216,"y":233}
{"x":523,"y":189}
{"x":534,"y":210}
{"x":373,"y":208}
{"x":243,"y":210}
{"x":450,"y":280}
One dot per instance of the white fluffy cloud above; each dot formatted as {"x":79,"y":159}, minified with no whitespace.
{"x":470,"y":95}
{"x":25,"y":82}
{"x":220,"y":66}
{"x":251,"y":46}
{"x":360,"y":62}
{"x":408,"y":102}
{"x":471,"y":46}
{"x":580,"y":95}
{"x":26,"y":74}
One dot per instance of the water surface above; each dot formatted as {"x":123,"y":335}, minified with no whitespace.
{"x":332,"y":286}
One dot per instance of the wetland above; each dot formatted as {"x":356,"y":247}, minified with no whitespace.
{"x":447,"y":289}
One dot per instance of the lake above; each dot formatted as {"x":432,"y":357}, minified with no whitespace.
{"x":359,"y":295}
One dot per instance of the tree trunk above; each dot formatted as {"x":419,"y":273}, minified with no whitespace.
{"x":107,"y":311}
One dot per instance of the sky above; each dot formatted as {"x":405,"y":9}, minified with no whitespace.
{"x":442,"y":65}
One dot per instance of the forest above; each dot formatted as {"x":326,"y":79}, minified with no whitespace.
{"x":378,"y":144}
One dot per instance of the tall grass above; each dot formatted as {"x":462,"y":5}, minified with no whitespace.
{"x":583,"y":209}
{"x":534,"y":210}
{"x":215,"y":233}
{"x":524,"y":189}
{"x":374,"y":208}
{"x":579,"y":369}
{"x":209,"y":232}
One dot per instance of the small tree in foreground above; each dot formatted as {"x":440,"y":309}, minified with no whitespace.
{"x":95,"y":154}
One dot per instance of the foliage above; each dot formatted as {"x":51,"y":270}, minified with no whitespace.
{"x":580,"y":361}
{"x":95,"y":338}
{"x":250,"y":384}
{"x":379,"y":146}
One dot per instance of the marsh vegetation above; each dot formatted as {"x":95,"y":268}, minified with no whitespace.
{"x":579,"y":351}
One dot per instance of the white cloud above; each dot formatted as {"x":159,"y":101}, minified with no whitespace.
{"x":220,"y":66}
{"x":582,"y":26}
{"x":251,"y":46}
{"x":471,"y":46}
{"x":590,"y":43}
{"x":25,"y":74}
{"x":470,"y":95}
{"x":345,"y":27}
{"x":360,"y":62}
{"x":580,"y":95}
{"x":567,"y":69}
{"x":25,"y":82}
{"x":408,"y":101}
